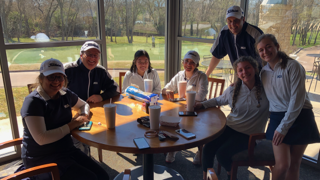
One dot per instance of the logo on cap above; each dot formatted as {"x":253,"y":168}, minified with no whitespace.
{"x":232,"y":10}
{"x":91,"y":44}
{"x":54,"y":64}
{"x":193,"y":54}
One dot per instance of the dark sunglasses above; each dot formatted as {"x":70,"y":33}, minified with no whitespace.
{"x":53,"y":78}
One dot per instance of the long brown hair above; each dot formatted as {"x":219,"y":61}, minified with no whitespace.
{"x":238,"y":82}
{"x":282,"y":55}
{"x":138,"y":54}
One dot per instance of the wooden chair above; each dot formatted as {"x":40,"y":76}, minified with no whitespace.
{"x":256,"y":155}
{"x":51,"y":167}
{"x":211,"y":174}
{"x":31,"y":87}
{"x":121,"y":74}
{"x":214,"y":82}
{"x":126,"y":174}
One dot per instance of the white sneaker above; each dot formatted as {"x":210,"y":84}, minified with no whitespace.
{"x":196,"y":159}
{"x":171,"y":156}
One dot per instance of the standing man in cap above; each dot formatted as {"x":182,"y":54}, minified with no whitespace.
{"x":236,"y":39}
{"x":90,"y":81}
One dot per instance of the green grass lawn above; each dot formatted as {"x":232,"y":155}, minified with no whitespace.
{"x":18,"y":93}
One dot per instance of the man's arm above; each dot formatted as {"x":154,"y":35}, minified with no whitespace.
{"x":213,"y":64}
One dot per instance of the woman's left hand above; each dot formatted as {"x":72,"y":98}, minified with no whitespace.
{"x":277,"y":138}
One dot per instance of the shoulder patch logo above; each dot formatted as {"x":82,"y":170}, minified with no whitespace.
{"x":66,"y":106}
{"x":242,"y":47}
{"x":95,"y":82}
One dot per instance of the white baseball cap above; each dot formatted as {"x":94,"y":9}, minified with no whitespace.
{"x":51,"y":66}
{"x":90,"y":45}
{"x":192,"y":55}
{"x":235,"y":11}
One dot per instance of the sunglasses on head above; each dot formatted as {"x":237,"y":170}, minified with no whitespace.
{"x":53,"y":78}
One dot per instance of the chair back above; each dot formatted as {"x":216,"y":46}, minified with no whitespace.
{"x":31,"y":87}
{"x":217,"y":85}
{"x":121,"y":74}
{"x":45,"y":168}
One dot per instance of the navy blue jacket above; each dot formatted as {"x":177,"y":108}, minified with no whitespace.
{"x":236,"y":46}
{"x":86,"y":83}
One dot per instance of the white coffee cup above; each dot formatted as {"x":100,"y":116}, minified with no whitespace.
{"x":110,"y":115}
{"x":154,"y":116}
{"x":182,"y":89}
{"x":148,"y":85}
{"x":191,"y":99}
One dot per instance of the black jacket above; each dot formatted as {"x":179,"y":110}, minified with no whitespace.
{"x":85,"y":83}
{"x":243,"y":44}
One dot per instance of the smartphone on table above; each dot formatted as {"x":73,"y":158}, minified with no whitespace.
{"x":141,"y":143}
{"x":187,"y":113}
{"x":186,"y":134}
{"x":86,"y":127}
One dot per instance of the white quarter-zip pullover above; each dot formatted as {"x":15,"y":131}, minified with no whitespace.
{"x":135,"y":78}
{"x":286,"y":92}
{"x":246,"y":117}
{"x":198,"y":82}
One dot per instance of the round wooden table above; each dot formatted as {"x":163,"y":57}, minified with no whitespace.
{"x":207,"y":126}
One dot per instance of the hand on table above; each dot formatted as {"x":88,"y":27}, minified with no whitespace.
{"x":95,"y":98}
{"x":78,"y":121}
{"x":277,"y":138}
{"x":198,"y":105}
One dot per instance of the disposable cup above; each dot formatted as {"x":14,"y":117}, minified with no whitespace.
{"x":110,"y":115}
{"x":182,"y":89}
{"x":154,"y":116}
{"x":170,"y":95}
{"x":191,"y":98}
{"x":148,"y":85}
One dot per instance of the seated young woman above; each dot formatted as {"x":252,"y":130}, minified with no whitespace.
{"x":249,"y":114}
{"x":47,"y":120}
{"x":139,"y":71}
{"x":196,"y":81}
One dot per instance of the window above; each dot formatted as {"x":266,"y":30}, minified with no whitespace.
{"x":140,"y":26}
{"x":31,"y":21}
{"x":204,"y":19}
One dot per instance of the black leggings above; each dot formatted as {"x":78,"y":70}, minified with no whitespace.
{"x":224,"y":147}
{"x":84,"y":168}
{"x":72,"y":164}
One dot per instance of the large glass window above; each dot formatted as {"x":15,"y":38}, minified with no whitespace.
{"x":133,"y":25}
{"x":204,"y":19}
{"x":5,"y":123}
{"x":27,"y":21}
